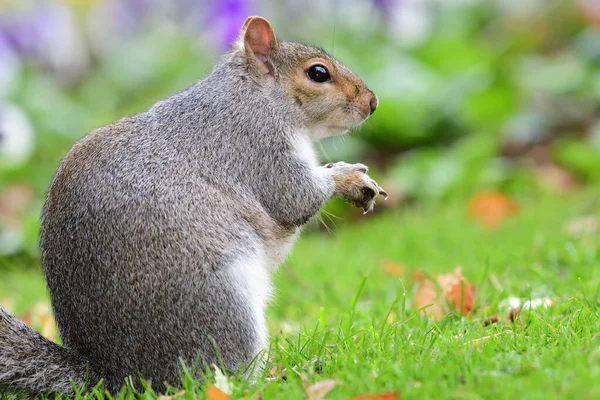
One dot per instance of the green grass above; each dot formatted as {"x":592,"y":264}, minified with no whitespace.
{"x":329,"y":317}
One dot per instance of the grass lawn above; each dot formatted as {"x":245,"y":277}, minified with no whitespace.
{"x":338,"y":315}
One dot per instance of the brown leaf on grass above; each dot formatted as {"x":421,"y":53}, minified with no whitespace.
{"x":447,"y":292}
{"x":394,"y":269}
{"x":427,"y":296}
{"x":319,"y":390}
{"x":214,"y":393}
{"x":378,"y":396}
{"x":462,"y":296}
{"x":492,"y":320}
{"x":489,"y":209}
{"x":513,"y":315}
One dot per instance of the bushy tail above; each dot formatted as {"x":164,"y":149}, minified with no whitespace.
{"x":31,"y":363}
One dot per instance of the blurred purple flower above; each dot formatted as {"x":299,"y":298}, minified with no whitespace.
{"x":10,"y":66}
{"x":5,"y":47}
{"x":27,"y":32}
{"x":229,"y":15}
{"x":225,"y":18}
{"x":386,"y":6}
{"x":222,"y":18}
{"x":21,"y":32}
{"x":47,"y":35}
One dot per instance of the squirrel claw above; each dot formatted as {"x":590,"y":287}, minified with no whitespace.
{"x":368,"y":207}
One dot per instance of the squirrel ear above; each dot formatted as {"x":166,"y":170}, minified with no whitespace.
{"x":246,"y":22}
{"x":259,"y":42}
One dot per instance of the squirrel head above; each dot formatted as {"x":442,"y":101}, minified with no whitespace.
{"x":329,"y":96}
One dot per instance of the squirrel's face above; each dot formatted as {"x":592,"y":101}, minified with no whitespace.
{"x":330,"y":96}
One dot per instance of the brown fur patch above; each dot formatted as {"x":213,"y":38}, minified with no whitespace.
{"x":349,"y":185}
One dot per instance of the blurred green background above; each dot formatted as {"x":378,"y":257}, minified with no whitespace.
{"x":475,"y":95}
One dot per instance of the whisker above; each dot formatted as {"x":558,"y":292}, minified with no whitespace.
{"x":331,"y":215}
{"x":320,"y":218}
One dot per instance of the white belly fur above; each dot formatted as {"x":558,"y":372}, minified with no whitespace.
{"x":253,"y":281}
{"x":251,"y":276}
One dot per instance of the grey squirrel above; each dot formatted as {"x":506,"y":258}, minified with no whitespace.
{"x":160,"y":232}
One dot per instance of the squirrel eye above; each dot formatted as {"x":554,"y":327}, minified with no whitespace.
{"x":318,"y":73}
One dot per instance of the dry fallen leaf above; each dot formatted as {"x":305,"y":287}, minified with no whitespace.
{"x":379,"y":396}
{"x":513,"y":315}
{"x":394,"y":269}
{"x":427,"y":296}
{"x":492,"y":320}
{"x":462,"y":296}
{"x":489,"y":209}
{"x":448,"y":292}
{"x":319,"y":390}
{"x":214,"y":393}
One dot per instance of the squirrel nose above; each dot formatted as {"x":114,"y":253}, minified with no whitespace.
{"x":373,"y":103}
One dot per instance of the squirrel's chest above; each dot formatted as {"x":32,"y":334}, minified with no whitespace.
{"x":304,"y":148}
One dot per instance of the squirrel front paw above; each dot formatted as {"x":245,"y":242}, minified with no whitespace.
{"x":354,"y":185}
